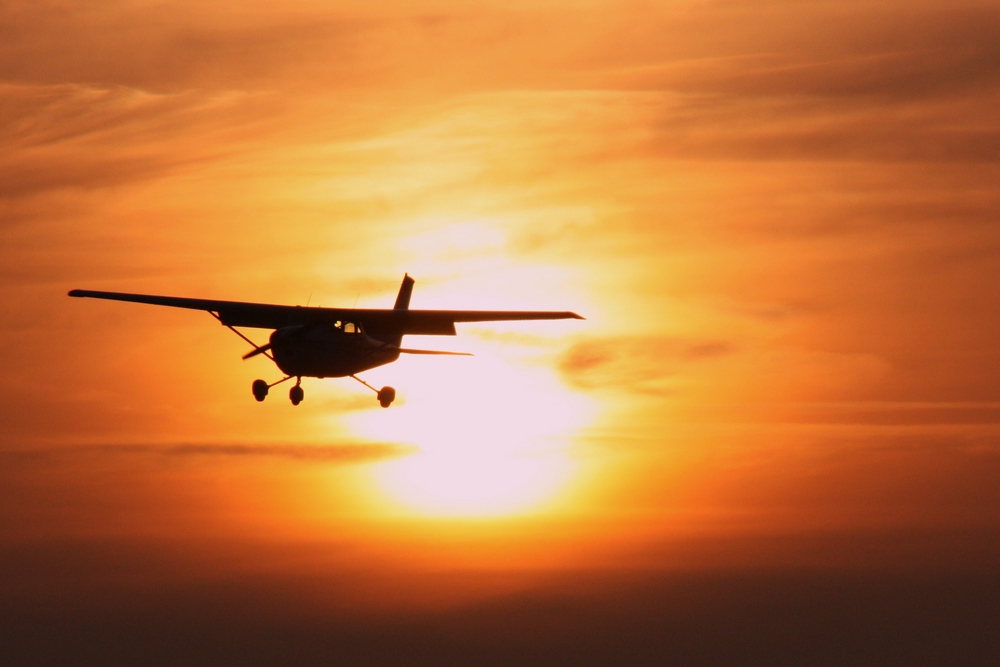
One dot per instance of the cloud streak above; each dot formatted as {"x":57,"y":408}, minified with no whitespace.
{"x":84,"y":137}
{"x":636,"y":363}
{"x":333,"y":454}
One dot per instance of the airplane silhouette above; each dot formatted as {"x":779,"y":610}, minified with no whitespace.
{"x":333,"y":342}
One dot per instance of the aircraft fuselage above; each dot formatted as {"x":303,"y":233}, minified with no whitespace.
{"x":324,"y":351}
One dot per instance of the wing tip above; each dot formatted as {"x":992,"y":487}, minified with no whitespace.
{"x":77,"y":292}
{"x":577,"y":317}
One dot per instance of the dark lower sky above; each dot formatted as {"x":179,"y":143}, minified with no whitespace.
{"x":97,"y":606}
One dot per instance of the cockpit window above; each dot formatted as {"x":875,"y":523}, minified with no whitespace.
{"x":349,"y":327}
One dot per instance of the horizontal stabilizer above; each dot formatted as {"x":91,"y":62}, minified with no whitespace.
{"x":406,"y":350}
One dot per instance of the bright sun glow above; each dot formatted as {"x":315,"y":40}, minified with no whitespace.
{"x":492,"y":439}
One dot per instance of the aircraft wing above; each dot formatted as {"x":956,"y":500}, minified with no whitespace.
{"x":373,"y":321}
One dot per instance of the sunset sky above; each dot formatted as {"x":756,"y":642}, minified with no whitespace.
{"x":775,"y":437}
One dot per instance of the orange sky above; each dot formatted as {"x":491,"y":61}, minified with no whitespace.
{"x":779,"y":219}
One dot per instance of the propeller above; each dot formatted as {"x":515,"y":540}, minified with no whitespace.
{"x":258,"y":350}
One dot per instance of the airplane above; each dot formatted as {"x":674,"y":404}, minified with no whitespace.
{"x":333,"y":342}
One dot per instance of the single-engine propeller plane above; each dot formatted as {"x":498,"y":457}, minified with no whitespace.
{"x":333,"y":342}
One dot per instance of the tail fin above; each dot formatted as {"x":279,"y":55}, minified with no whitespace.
{"x":402,"y":303}
{"x":405,"y":290}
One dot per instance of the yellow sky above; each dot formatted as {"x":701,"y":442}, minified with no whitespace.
{"x":779,"y":219}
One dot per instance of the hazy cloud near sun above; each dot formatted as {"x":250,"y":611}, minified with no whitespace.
{"x":801,"y":193}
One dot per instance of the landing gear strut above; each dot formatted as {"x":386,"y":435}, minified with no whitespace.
{"x":385,"y":395}
{"x":296,"y":394}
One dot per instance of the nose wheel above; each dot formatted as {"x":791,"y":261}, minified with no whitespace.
{"x":260,"y":390}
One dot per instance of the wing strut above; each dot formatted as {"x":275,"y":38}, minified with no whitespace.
{"x":257,"y":349}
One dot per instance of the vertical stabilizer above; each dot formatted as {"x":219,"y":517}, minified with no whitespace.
{"x":405,"y":290}
{"x":402,"y":303}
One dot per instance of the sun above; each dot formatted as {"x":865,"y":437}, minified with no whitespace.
{"x":492,"y":438}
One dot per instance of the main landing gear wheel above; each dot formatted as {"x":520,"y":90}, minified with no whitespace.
{"x":260,"y":390}
{"x":296,"y":394}
{"x":386,"y":395}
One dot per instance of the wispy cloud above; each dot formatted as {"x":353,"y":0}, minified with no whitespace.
{"x":636,"y":363}
{"x":85,"y":137}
